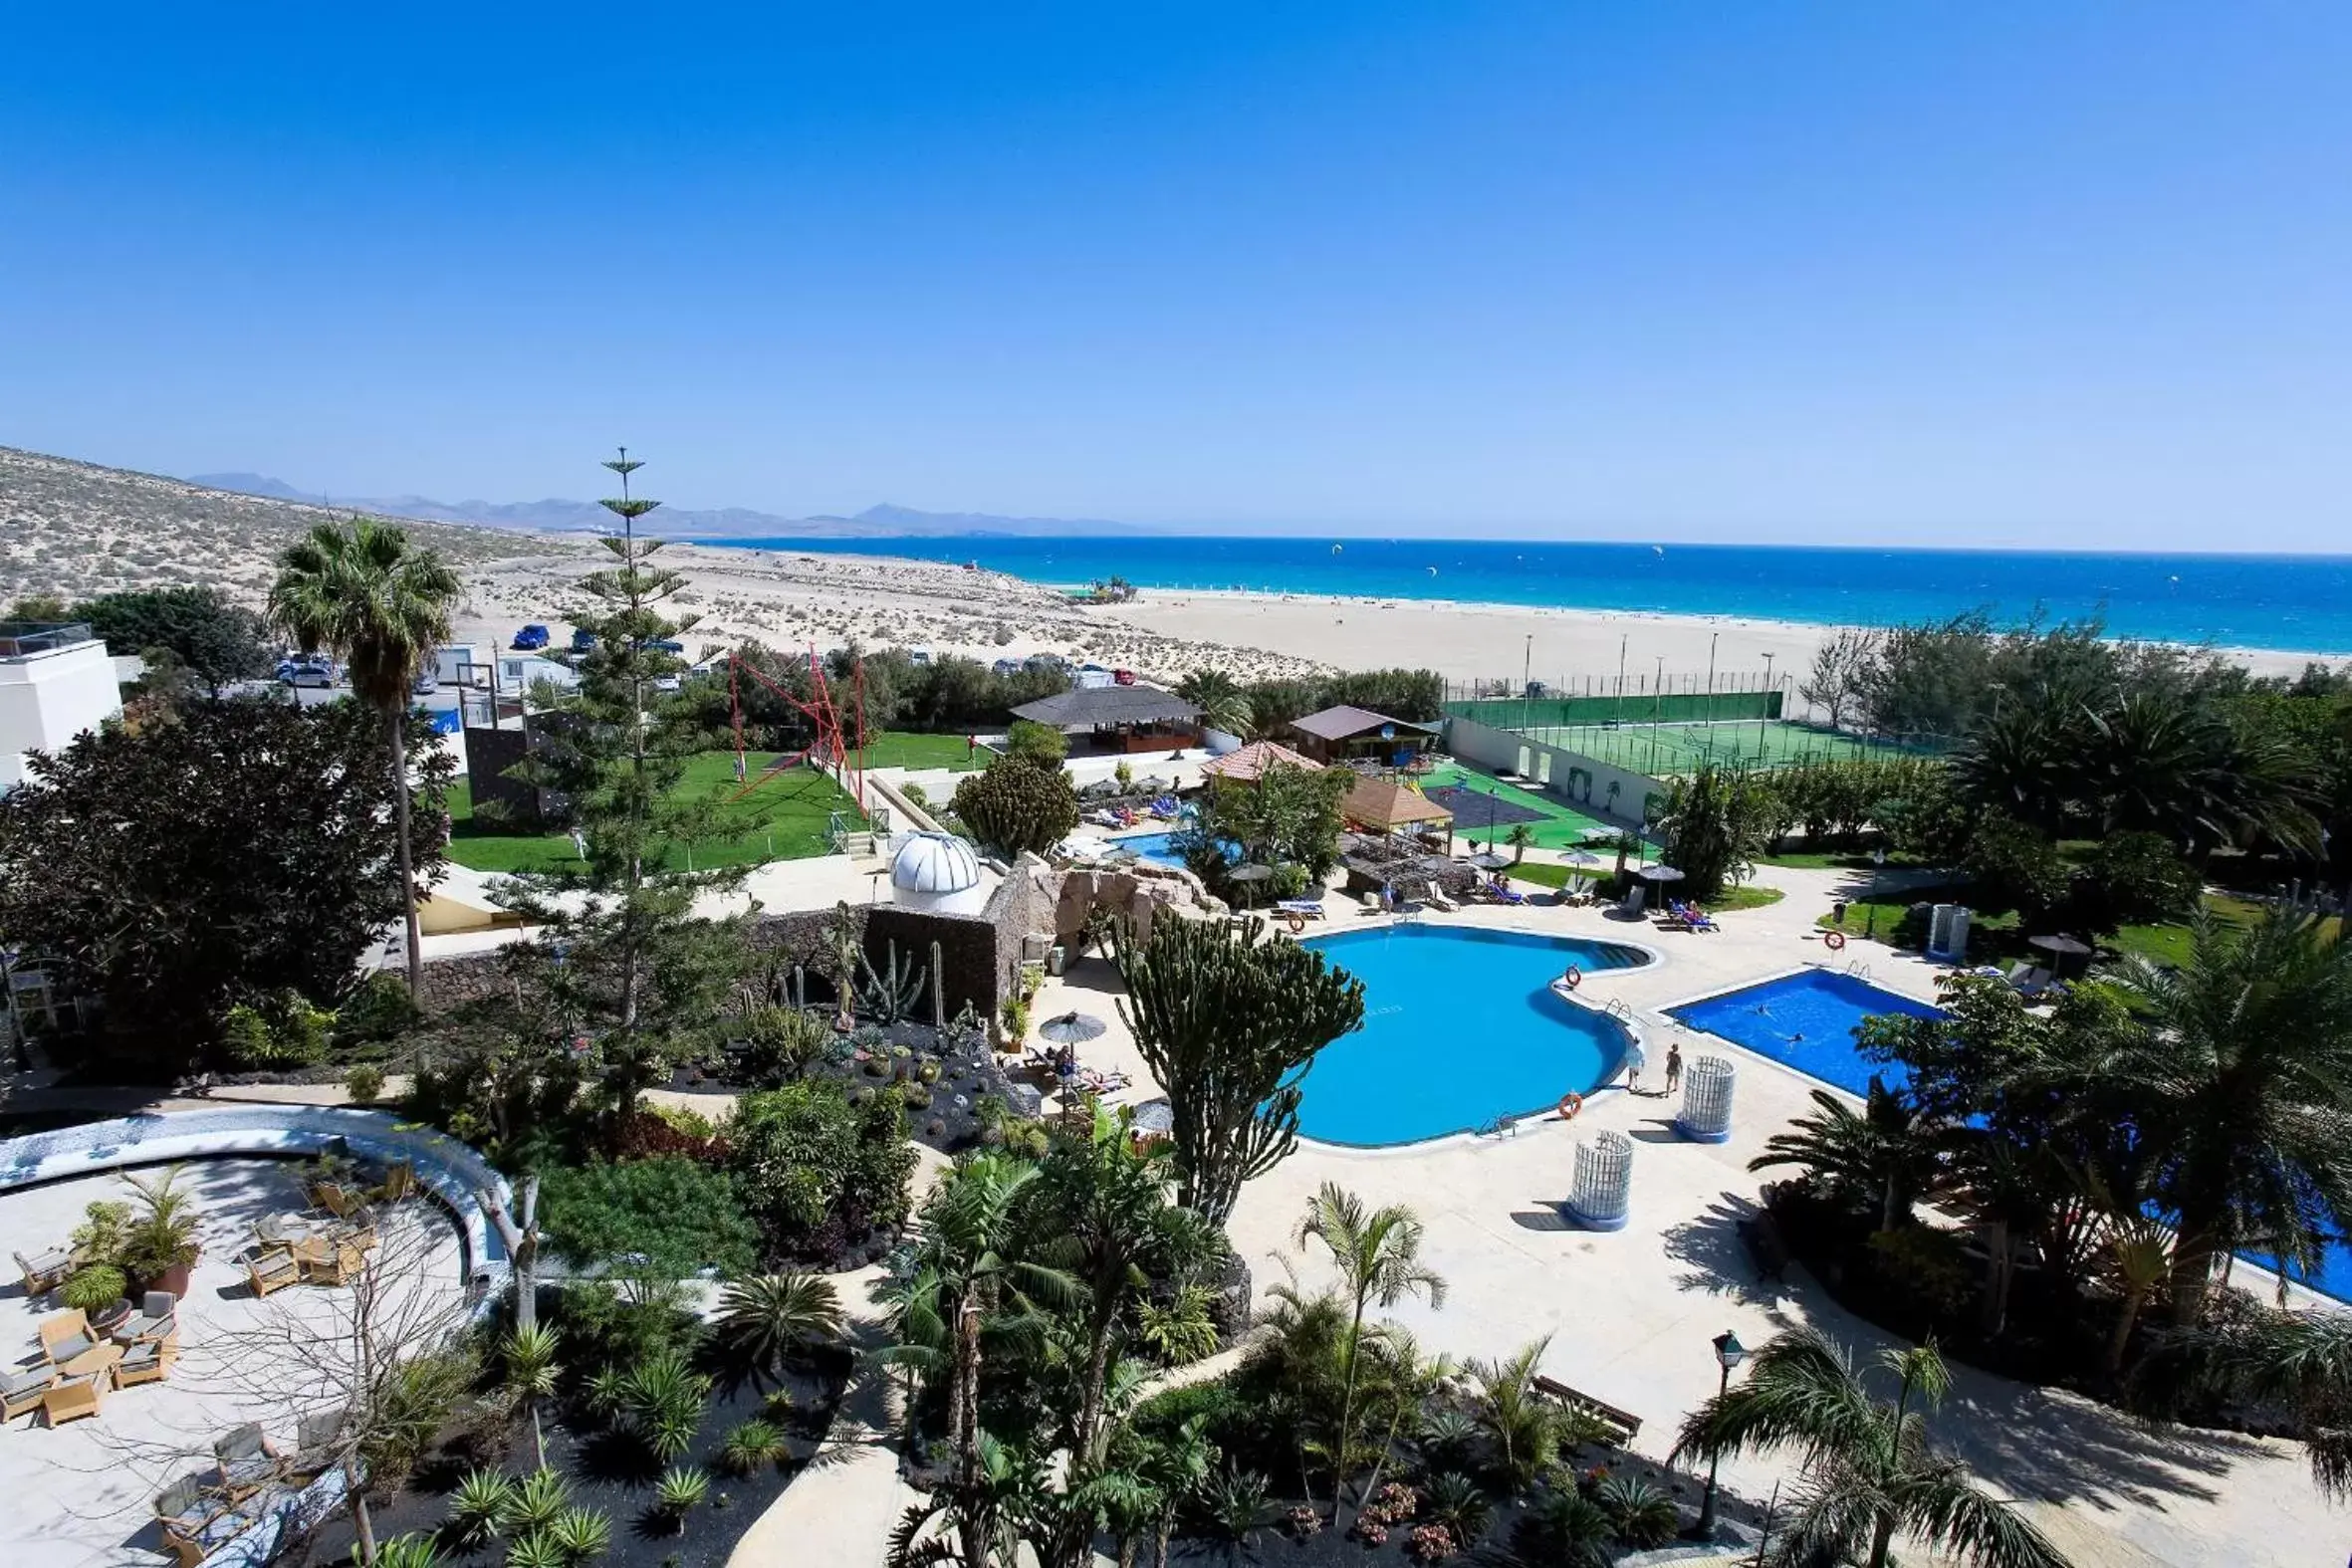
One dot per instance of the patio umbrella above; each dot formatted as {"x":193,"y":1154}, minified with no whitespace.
{"x":2063,"y":946}
{"x":1155,"y":1116}
{"x":1488,"y":860}
{"x":1072,"y":1029}
{"x":1659,"y":873}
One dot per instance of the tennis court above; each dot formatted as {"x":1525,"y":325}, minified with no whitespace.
{"x":1466,"y":791}
{"x":1663,"y":750}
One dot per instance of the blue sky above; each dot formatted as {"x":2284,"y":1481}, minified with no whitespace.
{"x":2001,"y":274}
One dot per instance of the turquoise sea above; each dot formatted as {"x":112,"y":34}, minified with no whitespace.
{"x":2300,"y":603}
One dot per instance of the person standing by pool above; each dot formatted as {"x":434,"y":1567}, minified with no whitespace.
{"x":1635,"y":1062}
{"x":1673,"y":1066}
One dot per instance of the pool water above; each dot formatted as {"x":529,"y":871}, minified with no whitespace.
{"x":1160,"y":848}
{"x":1808,"y":1021}
{"x":1460,"y":1027}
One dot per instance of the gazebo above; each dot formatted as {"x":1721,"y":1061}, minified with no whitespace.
{"x":1384,"y":806}
{"x":1250,"y":762}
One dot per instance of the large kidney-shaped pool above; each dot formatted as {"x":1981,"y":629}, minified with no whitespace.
{"x":1461,"y":1027}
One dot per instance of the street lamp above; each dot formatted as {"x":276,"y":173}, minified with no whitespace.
{"x":1728,"y":1353}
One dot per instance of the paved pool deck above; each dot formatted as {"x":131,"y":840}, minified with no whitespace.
{"x":1630,"y":1315}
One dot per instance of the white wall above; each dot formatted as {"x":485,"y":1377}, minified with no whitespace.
{"x":50,"y":697}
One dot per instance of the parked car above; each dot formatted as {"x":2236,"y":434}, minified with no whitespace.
{"x":425,"y":684}
{"x":1123,"y":677}
{"x":918,"y":656}
{"x":669,"y":645}
{"x":531,"y":637}
{"x":1007,"y":667}
{"x":299,"y":671}
{"x":583,"y":640}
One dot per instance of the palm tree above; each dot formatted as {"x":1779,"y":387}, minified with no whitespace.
{"x":1223,"y":704}
{"x":2303,"y":1361}
{"x":1175,"y":1468}
{"x":531,"y":1371}
{"x":1884,"y":1152}
{"x":1378,"y":1255}
{"x":963,"y":1281}
{"x":2240,"y":1079}
{"x":1871,"y":1473}
{"x":1523,"y":1427}
{"x":1520,"y":839}
{"x":766,"y":1318}
{"x":381,"y":605}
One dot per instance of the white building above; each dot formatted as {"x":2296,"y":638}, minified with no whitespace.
{"x":937,"y":872}
{"x":54,"y":683}
{"x":519,"y":672}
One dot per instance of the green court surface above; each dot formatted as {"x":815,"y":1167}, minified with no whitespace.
{"x":914,"y":748}
{"x":1562,"y":826}
{"x":787,"y":817}
{"x":1666,"y":749}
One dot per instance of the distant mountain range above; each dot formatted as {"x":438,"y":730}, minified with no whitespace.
{"x":558,"y":516}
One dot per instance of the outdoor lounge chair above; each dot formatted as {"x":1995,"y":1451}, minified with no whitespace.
{"x":185,"y":1509}
{"x":21,"y":1389}
{"x":2035,"y":982}
{"x":337,"y":1198}
{"x":149,"y":1361}
{"x":71,"y":1398}
{"x":269,"y":1268}
{"x":157,"y":1316}
{"x":400,"y":1180}
{"x":247,"y":1461}
{"x":1436,"y":898}
{"x":327,"y":1261}
{"x":1303,"y":908}
{"x":43,"y":1271}
{"x":65,"y":1336}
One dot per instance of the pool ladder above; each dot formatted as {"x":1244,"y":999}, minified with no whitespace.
{"x":1618,"y":1009}
{"x":1857,"y":970}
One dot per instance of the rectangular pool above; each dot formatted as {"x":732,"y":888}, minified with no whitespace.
{"x":1806,"y":1021}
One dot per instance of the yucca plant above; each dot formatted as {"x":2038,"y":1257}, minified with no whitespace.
{"x":1457,"y":1502}
{"x":579,"y":1534}
{"x":659,"y":1403}
{"x":1639,"y":1514}
{"x":532,"y":1504}
{"x":414,"y":1550}
{"x":752,"y":1444}
{"x":531,"y":1369}
{"x":479,"y":1506}
{"x":1445,"y":1439}
{"x":681,"y":1490}
{"x":779,"y":1406}
{"x":766,"y":1319}
{"x":1565,"y":1529}
{"x":536,"y":1551}
{"x":1236,"y":1505}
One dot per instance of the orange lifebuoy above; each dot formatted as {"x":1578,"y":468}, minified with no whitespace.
{"x":1833,"y":940}
{"x":1297,"y":922}
{"x":1569,"y":1104}
{"x":1573,"y":977}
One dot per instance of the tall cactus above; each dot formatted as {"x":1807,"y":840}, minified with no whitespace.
{"x":1226,"y":1022}
{"x":892,"y":994}
{"x":938,"y":991}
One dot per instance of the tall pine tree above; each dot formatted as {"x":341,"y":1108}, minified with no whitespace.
{"x":637,"y":972}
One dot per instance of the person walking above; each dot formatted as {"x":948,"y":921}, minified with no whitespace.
{"x":1635,"y":1062}
{"x":1673,"y":1066}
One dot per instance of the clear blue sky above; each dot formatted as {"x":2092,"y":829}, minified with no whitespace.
{"x":2022,"y":272}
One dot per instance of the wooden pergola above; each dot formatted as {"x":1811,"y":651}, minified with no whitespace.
{"x":1384,"y":805}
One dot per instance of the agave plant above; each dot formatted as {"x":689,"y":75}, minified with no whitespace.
{"x":1639,"y":1514}
{"x":579,"y":1534}
{"x":414,"y":1550}
{"x":1445,"y":1439}
{"x":767,"y":1318}
{"x":479,"y":1506}
{"x":1566,"y":1528}
{"x":659,"y":1401}
{"x":1236,"y":1504}
{"x":1459,"y":1504}
{"x":680,"y":1491}
{"x":536,"y":1551}
{"x":604,"y":1391}
{"x":751,"y":1445}
{"x":532,"y":1504}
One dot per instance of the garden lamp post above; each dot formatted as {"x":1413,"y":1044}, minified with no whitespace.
{"x":1728,"y":1353}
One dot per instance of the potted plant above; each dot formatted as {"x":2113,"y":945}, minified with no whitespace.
{"x":159,"y":1247}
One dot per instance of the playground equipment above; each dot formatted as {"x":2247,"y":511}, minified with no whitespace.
{"x":830,"y":747}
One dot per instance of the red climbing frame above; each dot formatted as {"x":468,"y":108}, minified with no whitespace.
{"x":832,"y":747}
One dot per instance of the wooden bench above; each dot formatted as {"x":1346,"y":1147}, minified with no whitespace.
{"x":1761,"y":1233}
{"x":1627,"y":1426}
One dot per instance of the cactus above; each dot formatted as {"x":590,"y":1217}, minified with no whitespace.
{"x":799,"y":987}
{"x":938,"y":991}
{"x":892,"y":994}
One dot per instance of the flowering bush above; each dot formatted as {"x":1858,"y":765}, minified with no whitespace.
{"x":1306,"y":1520}
{"x":1432,"y":1542}
{"x":1371,"y":1532}
{"x":1392,"y":1505}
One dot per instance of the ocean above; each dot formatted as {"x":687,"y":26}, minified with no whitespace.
{"x":2299,"y":602}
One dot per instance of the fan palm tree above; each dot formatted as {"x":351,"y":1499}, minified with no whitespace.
{"x":1520,"y":839}
{"x":766,"y":1318}
{"x":2303,"y":1361}
{"x":1884,"y":1152}
{"x":1870,"y":1473}
{"x":2240,"y":1079}
{"x":964,"y":1281}
{"x":1378,"y":1255}
{"x":1223,"y":704}
{"x":381,"y":605}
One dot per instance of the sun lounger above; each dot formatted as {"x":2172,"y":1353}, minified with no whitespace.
{"x":1436,"y":898}
{"x":2032,"y":983}
{"x":1093,"y":1081}
{"x":1303,"y":908}
{"x":21,"y":1389}
{"x":71,"y":1398}
{"x":43,"y":1271}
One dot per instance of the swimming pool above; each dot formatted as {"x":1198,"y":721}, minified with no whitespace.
{"x":1806,"y":1021}
{"x":1460,"y":1027}
{"x":1160,"y":848}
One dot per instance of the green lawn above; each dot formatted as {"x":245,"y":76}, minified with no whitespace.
{"x":787,"y":816}
{"x":1542,"y":873}
{"x":912,"y":748}
{"x":1998,"y":937}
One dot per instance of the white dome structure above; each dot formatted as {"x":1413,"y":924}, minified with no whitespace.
{"x":936,"y":871}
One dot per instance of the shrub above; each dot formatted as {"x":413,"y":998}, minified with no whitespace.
{"x":104,"y":1231}
{"x":363,"y":1083}
{"x":1182,"y":1332}
{"x":679,"y":1216}
{"x":1565,"y":1527}
{"x":1639,"y":1514}
{"x":915,"y":1096}
{"x":1457,"y":1502}
{"x":90,"y":1289}
{"x":613,"y":1328}
{"x":1432,"y":1542}
{"x":1017,"y":803}
{"x":777,"y":1407}
{"x":532,"y":1504}
{"x":379,"y":1009}
{"x":680,"y":1491}
{"x":768,"y":1317}
{"x":536,"y":1551}
{"x":413,"y":1404}
{"x":286,"y":1031}
{"x":479,"y":1506}
{"x":751,"y":1445}
{"x":780,"y":1043}
{"x":579,"y":1534}
{"x":816,"y":1171}
{"x":1447,"y":1437}
{"x":916,"y":796}
{"x":1037,"y":742}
